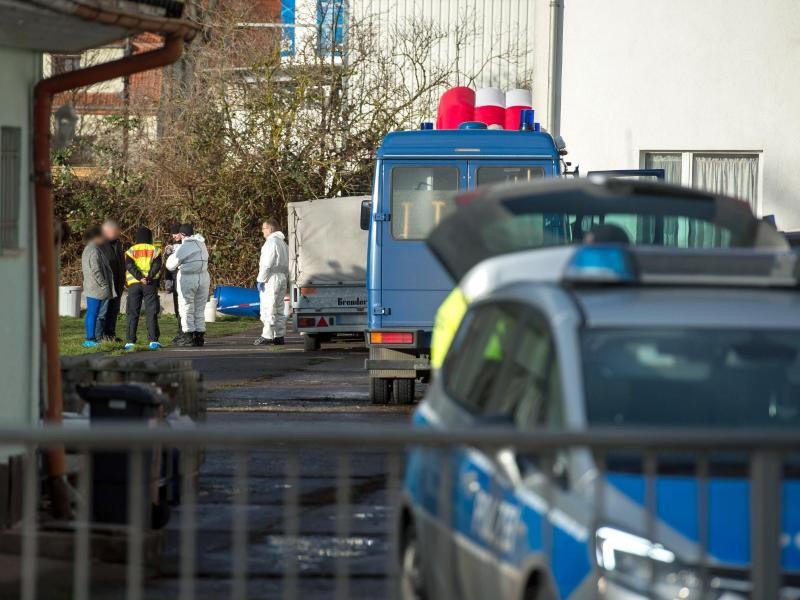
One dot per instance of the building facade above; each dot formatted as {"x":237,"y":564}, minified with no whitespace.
{"x":485,"y":43}
{"x":707,"y":90}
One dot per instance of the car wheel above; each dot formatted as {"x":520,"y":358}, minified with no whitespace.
{"x":403,"y":391}
{"x":311,"y":343}
{"x":380,"y":390}
{"x":412,"y":584}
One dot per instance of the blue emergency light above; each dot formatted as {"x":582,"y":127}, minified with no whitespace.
{"x":426,"y":126}
{"x":526,"y":119}
{"x":603,"y":263}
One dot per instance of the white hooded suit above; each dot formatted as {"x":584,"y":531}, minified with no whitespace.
{"x":273,"y":273}
{"x":191,"y":261}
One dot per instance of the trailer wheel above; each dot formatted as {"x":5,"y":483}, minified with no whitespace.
{"x":311,"y":343}
{"x":380,"y":390}
{"x":403,"y":391}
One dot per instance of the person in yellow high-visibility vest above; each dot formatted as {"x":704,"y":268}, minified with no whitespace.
{"x":142,"y":271}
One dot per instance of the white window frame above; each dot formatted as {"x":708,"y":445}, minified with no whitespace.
{"x":687,"y":164}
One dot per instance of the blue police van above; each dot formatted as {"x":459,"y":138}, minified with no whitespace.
{"x":418,"y":175}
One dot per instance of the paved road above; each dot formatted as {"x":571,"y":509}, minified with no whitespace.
{"x":286,"y":385}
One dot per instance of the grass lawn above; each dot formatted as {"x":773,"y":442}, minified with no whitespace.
{"x":71,"y":334}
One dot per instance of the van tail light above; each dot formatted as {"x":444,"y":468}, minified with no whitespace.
{"x":391,"y":337}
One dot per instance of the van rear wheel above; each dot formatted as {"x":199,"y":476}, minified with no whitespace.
{"x":403,"y":391}
{"x":380,"y":390}
{"x":311,"y":343}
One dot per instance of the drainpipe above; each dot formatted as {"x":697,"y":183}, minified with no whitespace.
{"x":554,"y":66}
{"x":44,"y":92}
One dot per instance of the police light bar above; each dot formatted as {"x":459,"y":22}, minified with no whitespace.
{"x":731,"y":267}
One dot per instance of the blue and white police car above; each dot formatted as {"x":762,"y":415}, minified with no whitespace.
{"x":579,"y":337}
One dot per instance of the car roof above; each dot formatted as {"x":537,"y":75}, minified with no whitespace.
{"x":740,"y":308}
{"x":721,"y":300}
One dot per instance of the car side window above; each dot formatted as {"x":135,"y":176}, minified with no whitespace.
{"x":475,"y":360}
{"x":530,"y":388}
{"x":524,"y":373}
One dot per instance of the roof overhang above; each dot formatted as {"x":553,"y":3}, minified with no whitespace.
{"x":76,"y":25}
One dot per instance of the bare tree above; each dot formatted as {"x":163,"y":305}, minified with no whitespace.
{"x":256,"y":118}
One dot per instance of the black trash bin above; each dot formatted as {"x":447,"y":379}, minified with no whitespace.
{"x":130,"y":402}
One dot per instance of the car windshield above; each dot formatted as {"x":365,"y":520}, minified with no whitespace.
{"x":692,"y":377}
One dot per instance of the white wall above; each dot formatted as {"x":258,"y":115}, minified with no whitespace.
{"x":713,"y":75}
{"x":19,"y":347}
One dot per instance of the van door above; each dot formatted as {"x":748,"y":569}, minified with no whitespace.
{"x":416,"y":195}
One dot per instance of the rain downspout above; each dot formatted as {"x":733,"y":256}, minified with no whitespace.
{"x":44,"y":93}
{"x":554,"y":66}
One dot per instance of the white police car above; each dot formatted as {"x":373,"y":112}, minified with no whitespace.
{"x":572,"y":338}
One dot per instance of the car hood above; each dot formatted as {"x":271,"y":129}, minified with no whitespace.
{"x":678,"y":502}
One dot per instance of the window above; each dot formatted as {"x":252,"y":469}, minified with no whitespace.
{"x":288,"y":30}
{"x":421,"y":197}
{"x":475,"y":360}
{"x":495,"y":175}
{"x":10,"y":176}
{"x":729,"y":174}
{"x":692,"y":377}
{"x":64,"y":63}
{"x":330,"y":25}
{"x":529,"y":388}
{"x":502,"y":365}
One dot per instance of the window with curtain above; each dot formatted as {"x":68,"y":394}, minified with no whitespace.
{"x":671,"y":162}
{"x":727,"y":173}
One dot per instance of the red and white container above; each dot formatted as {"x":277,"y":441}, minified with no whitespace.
{"x":456,"y":106}
{"x":490,"y":106}
{"x":516,"y":101}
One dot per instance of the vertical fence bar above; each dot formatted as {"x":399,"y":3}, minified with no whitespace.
{"x":343,"y":514}
{"x":30,"y":499}
{"x":239,"y":558}
{"x":703,"y":469}
{"x":651,"y":505}
{"x":291,"y":520}
{"x":80,"y":583}
{"x":549,"y":496}
{"x":188,"y":525}
{"x":599,"y":504}
{"x":393,"y":523}
{"x":135,"y":570}
{"x":447,"y":455}
{"x":765,"y":523}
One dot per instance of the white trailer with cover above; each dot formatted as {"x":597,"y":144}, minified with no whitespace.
{"x":327,"y":268}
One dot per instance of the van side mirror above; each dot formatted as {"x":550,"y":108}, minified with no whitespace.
{"x":366,"y":214}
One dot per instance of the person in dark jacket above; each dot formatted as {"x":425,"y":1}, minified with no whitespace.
{"x":171,"y":277}
{"x":115,"y":255}
{"x":143,"y":264}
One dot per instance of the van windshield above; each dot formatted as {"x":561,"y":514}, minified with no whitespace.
{"x":421,"y":197}
{"x":692,"y":377}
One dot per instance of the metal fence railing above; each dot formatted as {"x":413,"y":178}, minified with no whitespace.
{"x":359,"y":467}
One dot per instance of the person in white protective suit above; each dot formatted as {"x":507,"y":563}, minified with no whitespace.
{"x":273,"y":275}
{"x":191,"y":261}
